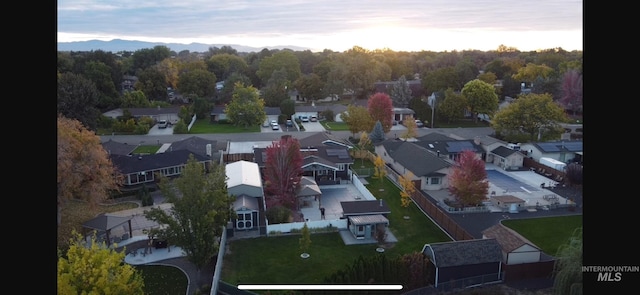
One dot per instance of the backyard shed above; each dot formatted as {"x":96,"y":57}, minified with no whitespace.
{"x":465,"y":263}
{"x":515,"y":248}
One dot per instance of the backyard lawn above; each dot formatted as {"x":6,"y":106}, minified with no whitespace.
{"x":335,"y":126}
{"x":548,"y":233}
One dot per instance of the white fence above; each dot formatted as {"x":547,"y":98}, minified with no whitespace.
{"x":361,"y":188}
{"x":288,"y":227}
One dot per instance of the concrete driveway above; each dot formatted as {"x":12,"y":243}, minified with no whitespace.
{"x":313,"y":127}
{"x":160,"y":131}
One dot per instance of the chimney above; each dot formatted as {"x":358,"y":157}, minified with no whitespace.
{"x":438,"y":151}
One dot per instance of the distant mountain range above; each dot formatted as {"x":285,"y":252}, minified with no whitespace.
{"x":117,"y":45}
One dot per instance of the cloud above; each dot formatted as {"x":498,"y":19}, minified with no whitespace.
{"x":310,"y":21}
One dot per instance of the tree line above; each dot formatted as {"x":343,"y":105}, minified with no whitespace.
{"x":89,"y":83}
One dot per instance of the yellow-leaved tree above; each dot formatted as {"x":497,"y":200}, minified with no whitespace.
{"x":408,"y":188}
{"x":96,"y":269}
{"x":379,"y":170}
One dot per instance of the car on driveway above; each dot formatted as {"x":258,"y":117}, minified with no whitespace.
{"x":289,"y":123}
{"x":304,"y":119}
{"x":162,"y":124}
{"x":274,"y":125}
{"x":419,"y":124}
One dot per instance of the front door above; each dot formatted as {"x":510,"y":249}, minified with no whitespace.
{"x":245,"y":220}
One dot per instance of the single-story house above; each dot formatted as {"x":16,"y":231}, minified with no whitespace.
{"x":464,"y":263}
{"x":197,"y":145}
{"x":399,"y":114}
{"x":170,"y":113}
{"x":326,"y":164}
{"x":244,"y":182}
{"x":430,"y":169}
{"x":507,"y":158}
{"x":563,"y":150}
{"x":516,"y":249}
{"x":449,"y":147}
{"x":140,"y":169}
{"x":364,"y":217}
{"x":509,"y":203}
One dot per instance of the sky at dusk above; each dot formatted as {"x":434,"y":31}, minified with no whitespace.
{"x":402,"y":25}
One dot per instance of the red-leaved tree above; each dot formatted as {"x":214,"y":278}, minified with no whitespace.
{"x":380,"y":108}
{"x":468,"y":180}
{"x":283,"y":170}
{"x":572,"y":91}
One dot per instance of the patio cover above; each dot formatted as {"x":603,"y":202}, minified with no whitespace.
{"x":368,"y":219}
{"x":106,"y":223}
{"x":308,"y":187}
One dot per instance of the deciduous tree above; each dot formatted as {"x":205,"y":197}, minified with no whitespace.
{"x":468,"y":179}
{"x":96,"y":269}
{"x":572,"y":91}
{"x":77,"y":99}
{"x":197,"y":83}
{"x":246,"y":107}
{"x":453,"y":106}
{"x":201,"y":209}
{"x":380,"y":108}
{"x":481,"y":98}
{"x":407,"y":188}
{"x":85,"y":170}
{"x":529,"y":115}
{"x":357,"y":118}
{"x":364,"y":145}
{"x":411,"y":130}
{"x":283,"y":171}
{"x":380,"y":171}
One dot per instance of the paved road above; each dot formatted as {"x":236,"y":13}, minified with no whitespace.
{"x":469,"y":133}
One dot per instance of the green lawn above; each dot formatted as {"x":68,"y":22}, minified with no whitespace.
{"x":162,"y":279}
{"x":548,"y":233}
{"x":146,"y":149}
{"x":204,"y":126}
{"x":276,"y":259}
{"x":335,"y":126}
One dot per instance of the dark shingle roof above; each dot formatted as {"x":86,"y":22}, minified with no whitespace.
{"x":418,"y":160}
{"x":451,"y":146}
{"x":117,"y":148}
{"x":466,"y":252}
{"x":503,"y":151}
{"x":194,"y":144}
{"x":365,"y":207}
{"x":132,"y":164}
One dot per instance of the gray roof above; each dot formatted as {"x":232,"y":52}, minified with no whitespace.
{"x":336,"y":108}
{"x":105,"y":222}
{"x":194,"y":144}
{"x":322,"y":139}
{"x":132,"y":164}
{"x":117,"y":148}
{"x":416,"y":159}
{"x":451,"y":146}
{"x":503,"y":151}
{"x":559,"y":146}
{"x":365,"y":207}
{"x":467,"y":252}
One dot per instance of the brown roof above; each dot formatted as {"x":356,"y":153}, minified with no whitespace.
{"x":508,"y":239}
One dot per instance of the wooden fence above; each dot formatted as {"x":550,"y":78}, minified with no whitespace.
{"x":432,"y":210}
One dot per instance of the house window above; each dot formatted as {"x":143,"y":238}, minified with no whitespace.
{"x":245,"y":220}
{"x":341,"y":167}
{"x":434,"y":180}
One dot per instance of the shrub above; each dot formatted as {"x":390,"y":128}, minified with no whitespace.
{"x":278,"y":214}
